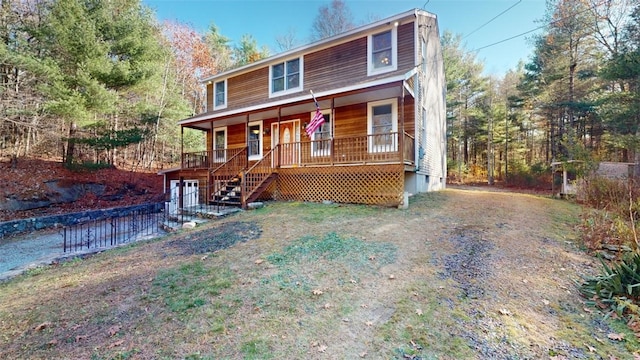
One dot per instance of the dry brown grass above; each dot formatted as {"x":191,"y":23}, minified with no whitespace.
{"x":327,"y":282}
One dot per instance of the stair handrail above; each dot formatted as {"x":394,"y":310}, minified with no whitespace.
{"x":232,"y":158}
{"x":231,"y":173}
{"x":253,"y":177}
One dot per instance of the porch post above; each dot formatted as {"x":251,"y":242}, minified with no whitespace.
{"x":277,"y":146}
{"x":182,"y":147}
{"x":212,"y":157}
{"x":333,"y":131}
{"x":181,"y":193}
{"x":246,"y":137}
{"x":401,"y":128}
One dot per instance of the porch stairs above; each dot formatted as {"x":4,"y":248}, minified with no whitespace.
{"x":230,"y":194}
{"x":247,"y":185}
{"x":257,"y":191}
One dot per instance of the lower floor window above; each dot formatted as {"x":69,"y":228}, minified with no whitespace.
{"x":321,"y":138}
{"x":382,"y":118}
{"x":255,"y":141}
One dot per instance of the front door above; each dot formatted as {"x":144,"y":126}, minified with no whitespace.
{"x":289,"y":140}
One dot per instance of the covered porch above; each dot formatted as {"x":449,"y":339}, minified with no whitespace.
{"x":349,"y":136}
{"x":247,"y":150}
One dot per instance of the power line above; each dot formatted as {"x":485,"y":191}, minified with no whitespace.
{"x":493,"y":18}
{"x":591,"y":7}
{"x":510,"y":38}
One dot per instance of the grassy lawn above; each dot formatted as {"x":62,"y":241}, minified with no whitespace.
{"x":458,"y":275}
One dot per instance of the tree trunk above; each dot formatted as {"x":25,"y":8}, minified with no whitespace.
{"x":637,"y":157}
{"x":71,"y":144}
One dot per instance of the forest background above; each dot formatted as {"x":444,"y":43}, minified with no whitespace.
{"x":96,"y":83}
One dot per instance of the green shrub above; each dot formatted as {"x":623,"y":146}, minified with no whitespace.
{"x":617,"y":287}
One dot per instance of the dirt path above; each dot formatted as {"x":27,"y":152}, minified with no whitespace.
{"x":516,"y":271}
{"x":461,"y":274}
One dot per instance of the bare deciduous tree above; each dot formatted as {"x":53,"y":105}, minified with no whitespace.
{"x":332,"y":19}
{"x":287,"y":41}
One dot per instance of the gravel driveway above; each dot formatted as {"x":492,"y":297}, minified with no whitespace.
{"x":21,"y":252}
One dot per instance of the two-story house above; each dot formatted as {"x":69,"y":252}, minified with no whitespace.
{"x":381,"y":90}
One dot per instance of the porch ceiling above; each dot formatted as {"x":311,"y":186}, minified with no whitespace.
{"x":270,"y":112}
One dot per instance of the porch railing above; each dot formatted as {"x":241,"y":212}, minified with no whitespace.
{"x":223,"y":173}
{"x":348,"y":150}
{"x":196,"y":160}
{"x":390,"y":147}
{"x":257,"y":174}
{"x":231,"y":161}
{"x":409,"y":145}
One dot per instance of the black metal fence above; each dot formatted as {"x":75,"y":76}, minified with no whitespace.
{"x":103,"y":233}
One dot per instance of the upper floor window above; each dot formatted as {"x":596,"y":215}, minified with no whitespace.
{"x":321,"y":138}
{"x":382,"y":121}
{"x":220,"y":95}
{"x":285,"y":77}
{"x":382,"y":52}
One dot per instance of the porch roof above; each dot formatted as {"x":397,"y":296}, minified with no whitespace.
{"x":359,"y":93}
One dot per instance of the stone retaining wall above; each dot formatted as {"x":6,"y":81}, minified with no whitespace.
{"x":13,"y":227}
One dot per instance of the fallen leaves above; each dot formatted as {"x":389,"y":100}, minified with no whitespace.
{"x":81,"y":337}
{"x":42,"y":326}
{"x":321,"y":348}
{"x":317,"y":292}
{"x":259,"y":261}
{"x":615,"y":336}
{"x":113,"y":330}
{"x":28,"y":179}
{"x":115,"y":344}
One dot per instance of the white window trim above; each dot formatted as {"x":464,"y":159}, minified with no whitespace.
{"x":226,"y":92}
{"x":260,"y":144}
{"x":326,"y":152}
{"x":371,"y":70}
{"x":287,"y":91}
{"x":222,"y":128}
{"x":394,"y":125}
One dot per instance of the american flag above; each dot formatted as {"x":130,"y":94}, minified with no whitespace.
{"x":316,"y":122}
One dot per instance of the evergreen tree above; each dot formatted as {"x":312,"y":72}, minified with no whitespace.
{"x":247,"y":51}
{"x":622,"y":105}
